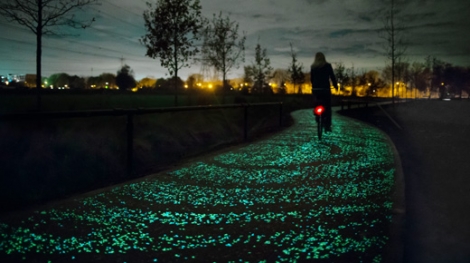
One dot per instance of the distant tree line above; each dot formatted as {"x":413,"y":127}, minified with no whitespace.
{"x":123,"y":79}
{"x":176,"y":41}
{"x":179,"y":36}
{"x":415,"y":79}
{"x":431,"y":75}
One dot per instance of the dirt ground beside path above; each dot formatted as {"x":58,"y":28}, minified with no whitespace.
{"x":433,"y":140}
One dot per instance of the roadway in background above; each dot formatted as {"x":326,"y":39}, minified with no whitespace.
{"x":434,"y":146}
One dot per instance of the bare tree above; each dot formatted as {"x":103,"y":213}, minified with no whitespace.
{"x":223,"y":47}
{"x":352,"y":79}
{"x":42,"y":17}
{"x":193,"y":80}
{"x":260,"y":70}
{"x":418,"y":77}
{"x":341,"y":75}
{"x":402,"y":69}
{"x":392,"y":32}
{"x":247,"y":79}
{"x":372,"y":82}
{"x":281,"y":76}
{"x":172,"y":28}
{"x":295,"y":70}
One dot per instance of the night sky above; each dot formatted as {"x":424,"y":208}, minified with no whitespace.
{"x":345,"y":30}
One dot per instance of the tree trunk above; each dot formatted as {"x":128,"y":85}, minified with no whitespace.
{"x":38,"y":56}
{"x":176,"y":88}
{"x":223,"y":88}
{"x":176,"y":74}
{"x":224,"y":79}
{"x":393,"y":52}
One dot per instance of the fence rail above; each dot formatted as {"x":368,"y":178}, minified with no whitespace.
{"x":130,"y":119}
{"x":350,"y":102}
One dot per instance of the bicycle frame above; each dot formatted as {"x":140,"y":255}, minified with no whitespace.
{"x":318,"y":111}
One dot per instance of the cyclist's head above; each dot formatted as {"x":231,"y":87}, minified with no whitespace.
{"x":319,"y":60}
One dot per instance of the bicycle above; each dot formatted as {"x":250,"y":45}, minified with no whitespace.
{"x":318,"y":111}
{"x":322,"y":110}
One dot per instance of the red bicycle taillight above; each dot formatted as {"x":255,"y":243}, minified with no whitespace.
{"x":318,"y":110}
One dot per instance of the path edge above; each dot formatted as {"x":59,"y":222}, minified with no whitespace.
{"x":394,"y":250}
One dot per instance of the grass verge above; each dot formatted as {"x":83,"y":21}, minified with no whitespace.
{"x":42,"y":161}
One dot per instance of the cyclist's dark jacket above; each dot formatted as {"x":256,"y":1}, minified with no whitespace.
{"x":320,"y":77}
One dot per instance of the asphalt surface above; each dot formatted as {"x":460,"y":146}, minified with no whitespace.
{"x":286,"y":198}
{"x":432,"y":138}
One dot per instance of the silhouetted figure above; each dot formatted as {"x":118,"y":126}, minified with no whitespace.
{"x":321,"y":73}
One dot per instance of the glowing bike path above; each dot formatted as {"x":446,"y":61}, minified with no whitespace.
{"x":287,"y":198}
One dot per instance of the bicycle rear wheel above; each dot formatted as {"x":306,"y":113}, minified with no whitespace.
{"x":319,"y":126}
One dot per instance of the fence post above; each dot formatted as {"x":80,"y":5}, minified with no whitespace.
{"x":130,"y":145}
{"x":245,"y":128}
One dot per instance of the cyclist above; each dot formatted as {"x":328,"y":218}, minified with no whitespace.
{"x":321,"y":73}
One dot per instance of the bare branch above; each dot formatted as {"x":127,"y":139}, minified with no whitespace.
{"x":54,"y":13}
{"x":296,"y":71}
{"x":172,"y":27}
{"x":41,"y":17}
{"x":394,"y":45}
{"x":223,"y":47}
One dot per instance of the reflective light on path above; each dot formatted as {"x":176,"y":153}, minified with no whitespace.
{"x":289,"y":198}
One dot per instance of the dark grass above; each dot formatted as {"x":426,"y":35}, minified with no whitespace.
{"x":69,"y":100}
{"x":94,"y":101}
{"x":46,"y":160}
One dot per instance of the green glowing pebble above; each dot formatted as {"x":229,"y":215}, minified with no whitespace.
{"x":308,"y":194}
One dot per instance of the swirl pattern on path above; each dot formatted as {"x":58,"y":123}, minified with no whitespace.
{"x":287,"y":198}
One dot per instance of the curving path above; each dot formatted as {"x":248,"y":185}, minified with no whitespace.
{"x":287,"y":198}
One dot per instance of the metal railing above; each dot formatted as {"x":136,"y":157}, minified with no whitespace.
{"x":350,"y":102}
{"x":130,"y":113}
